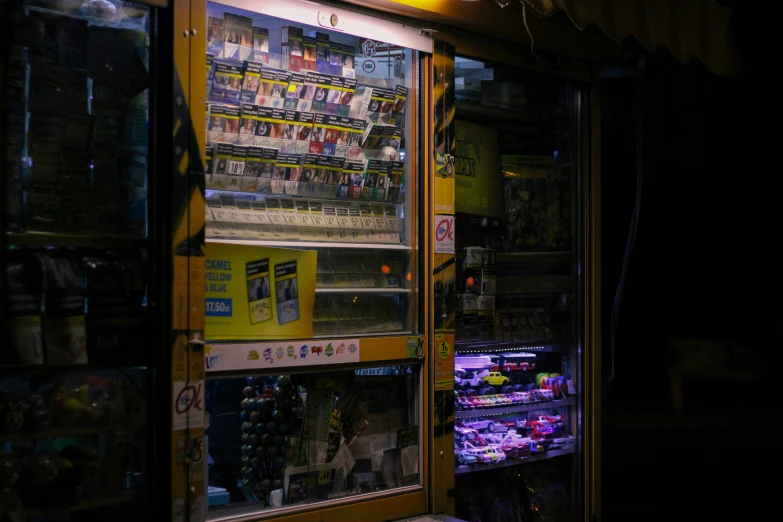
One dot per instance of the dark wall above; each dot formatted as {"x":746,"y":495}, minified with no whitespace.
{"x":705,"y":266}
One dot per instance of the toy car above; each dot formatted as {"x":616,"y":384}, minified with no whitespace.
{"x":481,"y":455}
{"x":471,"y":379}
{"x":464,"y":458}
{"x":479,"y":441}
{"x":500,"y":455}
{"x":462,"y":434}
{"x":512,"y":452}
{"x":496,"y":379}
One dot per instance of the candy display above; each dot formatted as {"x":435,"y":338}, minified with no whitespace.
{"x":56,"y":436}
{"x":289,"y":439}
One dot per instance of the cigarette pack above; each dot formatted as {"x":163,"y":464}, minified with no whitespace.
{"x":238,"y":41}
{"x":292,"y":48}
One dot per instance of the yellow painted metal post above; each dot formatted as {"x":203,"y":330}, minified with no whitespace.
{"x":593,"y":370}
{"x":443,"y":272}
{"x":187,"y":397}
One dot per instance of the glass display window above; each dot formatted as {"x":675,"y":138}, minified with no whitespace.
{"x":314,"y":192}
{"x":311,"y":144}
{"x":282,"y":441}
{"x":76,"y":371}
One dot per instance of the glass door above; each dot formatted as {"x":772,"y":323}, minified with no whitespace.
{"x":77,"y":278}
{"x":315,"y":350}
{"x":519,"y":313}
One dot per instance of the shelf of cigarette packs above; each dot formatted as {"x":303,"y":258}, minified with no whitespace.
{"x":281,"y":440}
{"x":301,"y":122}
{"x":71,"y":441}
{"x":269,"y":219}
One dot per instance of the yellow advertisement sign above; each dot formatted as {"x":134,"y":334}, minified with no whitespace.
{"x":444,"y":195}
{"x":477,"y":170}
{"x":259,"y":293}
{"x":444,"y":363}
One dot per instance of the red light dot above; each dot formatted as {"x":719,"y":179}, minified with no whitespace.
{"x":408,"y":277}
{"x":385,"y":269}
{"x":471,"y":281}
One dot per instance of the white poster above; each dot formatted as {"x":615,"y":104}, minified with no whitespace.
{"x":253,"y":356}
{"x":188,"y":407}
{"x":444,"y":234}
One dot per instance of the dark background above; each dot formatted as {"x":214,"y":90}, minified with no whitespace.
{"x":706,"y":266}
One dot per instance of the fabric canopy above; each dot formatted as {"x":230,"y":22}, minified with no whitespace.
{"x":591,"y":31}
{"x":698,"y":29}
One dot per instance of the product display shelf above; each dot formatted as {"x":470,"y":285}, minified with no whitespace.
{"x":541,"y":345}
{"x":126,"y":22}
{"x":310,"y":244}
{"x":516,"y":462}
{"x":95,"y":503}
{"x":7,"y":371}
{"x":56,"y":433}
{"x":304,"y":192}
{"x":49,"y":239}
{"x":362,"y":290}
{"x":518,"y":408}
{"x":516,"y":257}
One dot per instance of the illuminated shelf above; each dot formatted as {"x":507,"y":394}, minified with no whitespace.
{"x":308,"y":244}
{"x":387,"y":333}
{"x":362,"y":290}
{"x":95,"y":503}
{"x":516,"y":462}
{"x":56,"y":433}
{"x":516,"y":408}
{"x":495,"y":346}
{"x":515,"y":257}
{"x":43,"y":369}
{"x":35,"y":239}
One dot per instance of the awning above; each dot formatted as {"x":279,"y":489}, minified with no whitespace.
{"x":698,"y":29}
{"x":591,"y":31}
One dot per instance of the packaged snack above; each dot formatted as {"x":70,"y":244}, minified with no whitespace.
{"x":23,"y":325}
{"x":64,"y":322}
{"x":114,"y":293}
